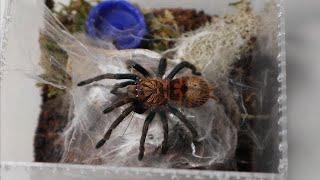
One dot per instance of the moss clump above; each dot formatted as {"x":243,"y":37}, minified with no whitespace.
{"x":53,"y":58}
{"x":166,"y":25}
{"x":162,"y":29}
{"x":74,"y":15}
{"x":226,"y":38}
{"x":53,"y":62}
{"x":49,"y":4}
{"x":246,"y":23}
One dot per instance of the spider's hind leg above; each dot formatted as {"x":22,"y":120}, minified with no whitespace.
{"x":164,"y":121}
{"x":146,"y":124}
{"x":185,"y":121}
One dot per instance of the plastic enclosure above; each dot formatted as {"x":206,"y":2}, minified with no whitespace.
{"x":20,"y":101}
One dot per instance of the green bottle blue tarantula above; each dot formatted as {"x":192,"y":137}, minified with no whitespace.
{"x":146,"y":93}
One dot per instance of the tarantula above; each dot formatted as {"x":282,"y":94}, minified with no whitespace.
{"x":156,"y":94}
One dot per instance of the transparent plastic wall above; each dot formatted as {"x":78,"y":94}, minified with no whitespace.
{"x":254,"y":147}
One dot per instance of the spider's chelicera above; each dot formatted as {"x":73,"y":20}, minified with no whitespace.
{"x":156,"y":95}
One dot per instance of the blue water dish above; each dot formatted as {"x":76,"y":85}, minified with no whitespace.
{"x":118,"y":21}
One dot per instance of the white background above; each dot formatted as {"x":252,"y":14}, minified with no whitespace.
{"x":303,"y":52}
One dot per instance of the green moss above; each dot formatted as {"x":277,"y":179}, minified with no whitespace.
{"x":165,"y":26}
{"x":74,"y":15}
{"x":162,"y":28}
{"x":53,"y":58}
{"x":53,"y":61}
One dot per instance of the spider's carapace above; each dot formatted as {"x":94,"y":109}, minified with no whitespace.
{"x":187,"y":91}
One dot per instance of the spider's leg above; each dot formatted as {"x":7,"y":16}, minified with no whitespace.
{"x":109,"y":76}
{"x":186,"y":122}
{"x":118,"y":104}
{"x":162,"y":67}
{"x":144,"y":133}
{"x":138,"y":67}
{"x":107,"y":135}
{"x":164,"y":121}
{"x":115,"y":88}
{"x":183,"y":64}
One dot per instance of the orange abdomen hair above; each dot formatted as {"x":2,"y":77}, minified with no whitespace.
{"x":189,"y":91}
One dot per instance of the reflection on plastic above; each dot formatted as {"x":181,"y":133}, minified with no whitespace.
{"x":43,"y":171}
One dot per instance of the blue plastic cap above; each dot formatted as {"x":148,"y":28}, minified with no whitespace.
{"x":119,"y":21}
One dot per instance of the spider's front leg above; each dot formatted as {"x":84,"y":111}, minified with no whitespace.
{"x":109,"y":76}
{"x":107,"y":135}
{"x":115,"y":88}
{"x":138,"y":67}
{"x":118,"y":104}
{"x":162,"y":67}
{"x":180,"y":66}
{"x":146,"y":124}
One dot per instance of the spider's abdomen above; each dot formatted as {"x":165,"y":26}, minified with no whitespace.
{"x":189,"y":91}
